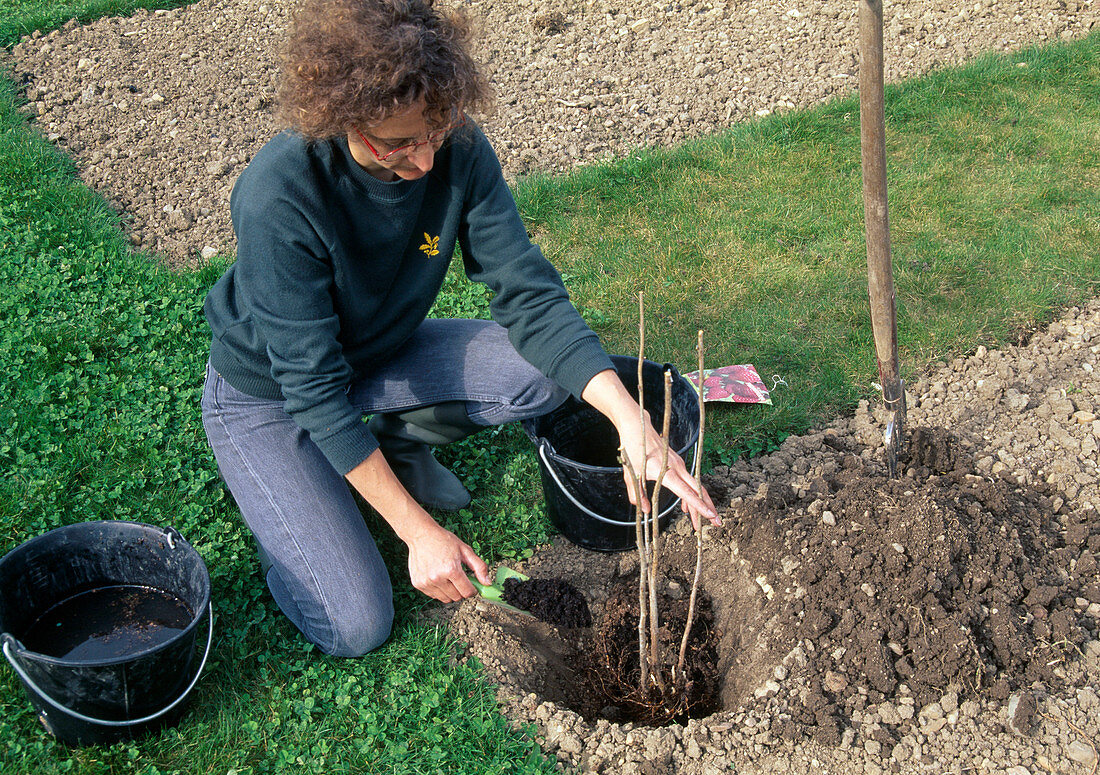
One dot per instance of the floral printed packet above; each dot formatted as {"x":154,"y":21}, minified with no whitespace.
{"x":735,"y":384}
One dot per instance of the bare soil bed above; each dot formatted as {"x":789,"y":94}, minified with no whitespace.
{"x":943,"y":621}
{"x":163,"y":110}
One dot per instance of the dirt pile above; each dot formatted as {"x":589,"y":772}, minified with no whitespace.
{"x":941,"y":578}
{"x":163,"y":110}
{"x":948,"y":619}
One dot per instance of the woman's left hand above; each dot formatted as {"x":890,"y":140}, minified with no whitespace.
{"x":606,"y":393}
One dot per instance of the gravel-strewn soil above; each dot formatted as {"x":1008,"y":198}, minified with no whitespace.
{"x":944,"y":621}
{"x":163,"y":110}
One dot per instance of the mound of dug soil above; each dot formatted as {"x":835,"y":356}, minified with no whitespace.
{"x":896,"y":589}
{"x":945,"y":620}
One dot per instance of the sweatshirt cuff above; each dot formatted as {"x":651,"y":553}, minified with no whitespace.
{"x":348,"y":448}
{"x":576,"y":367}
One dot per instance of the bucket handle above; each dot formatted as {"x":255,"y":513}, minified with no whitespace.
{"x":543,"y":443}
{"x":128,"y":723}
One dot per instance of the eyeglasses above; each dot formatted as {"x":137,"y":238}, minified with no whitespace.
{"x":435,"y":137}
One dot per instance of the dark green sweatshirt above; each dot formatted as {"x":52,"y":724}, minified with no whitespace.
{"x":335,"y":269}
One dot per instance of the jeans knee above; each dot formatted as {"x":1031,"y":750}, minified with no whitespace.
{"x":347,"y":622}
{"x":356,"y":635}
{"x":542,"y":396}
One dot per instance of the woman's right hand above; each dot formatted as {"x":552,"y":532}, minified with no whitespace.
{"x":437,"y":564}
{"x":437,"y":557}
{"x":637,"y":436}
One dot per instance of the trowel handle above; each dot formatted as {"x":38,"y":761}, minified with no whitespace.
{"x":486,"y":591}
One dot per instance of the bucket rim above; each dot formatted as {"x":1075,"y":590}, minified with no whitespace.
{"x":557,"y":457}
{"x":175,"y":538}
{"x":624,"y":360}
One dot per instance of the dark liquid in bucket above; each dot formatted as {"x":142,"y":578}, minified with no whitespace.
{"x":108,"y":623}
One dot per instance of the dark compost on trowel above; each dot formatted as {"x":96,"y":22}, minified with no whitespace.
{"x":554,"y":601}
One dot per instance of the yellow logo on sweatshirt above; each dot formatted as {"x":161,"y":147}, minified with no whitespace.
{"x":431,"y":245}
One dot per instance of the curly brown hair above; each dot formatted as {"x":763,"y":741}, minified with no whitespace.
{"x":353,"y":63}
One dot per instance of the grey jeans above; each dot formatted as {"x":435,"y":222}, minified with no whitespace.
{"x":326,"y":574}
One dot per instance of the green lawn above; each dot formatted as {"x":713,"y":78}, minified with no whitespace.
{"x":754,"y":236}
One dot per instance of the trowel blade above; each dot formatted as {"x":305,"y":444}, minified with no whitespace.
{"x":494,"y":593}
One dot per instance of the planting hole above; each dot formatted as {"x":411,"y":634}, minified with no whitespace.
{"x":593,"y":671}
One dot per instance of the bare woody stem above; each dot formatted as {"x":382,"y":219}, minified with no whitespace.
{"x":640,"y":475}
{"x":655,"y":540}
{"x":643,"y":576}
{"x":678,"y":674}
{"x":638,"y":482}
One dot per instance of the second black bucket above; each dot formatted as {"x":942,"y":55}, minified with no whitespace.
{"x":578,"y":449}
{"x":104,"y":690}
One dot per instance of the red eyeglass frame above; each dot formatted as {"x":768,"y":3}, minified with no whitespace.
{"x":435,"y":136}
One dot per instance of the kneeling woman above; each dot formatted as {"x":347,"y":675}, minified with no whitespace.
{"x":345,"y":226}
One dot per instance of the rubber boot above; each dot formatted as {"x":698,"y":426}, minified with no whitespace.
{"x":404,"y":438}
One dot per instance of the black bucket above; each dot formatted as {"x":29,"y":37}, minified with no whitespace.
{"x":135,"y":678}
{"x":578,"y":448}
